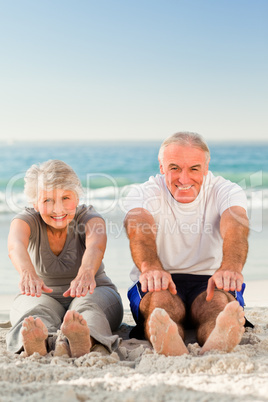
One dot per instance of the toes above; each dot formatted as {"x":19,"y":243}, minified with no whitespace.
{"x":153,"y":339}
{"x":68,"y":316}
{"x":28,"y":321}
{"x":39,"y":323}
{"x":72,"y":315}
{"x":233,"y":306}
{"x":83,"y":321}
{"x":159,"y":315}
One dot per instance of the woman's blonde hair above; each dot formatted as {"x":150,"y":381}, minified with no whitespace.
{"x":50,"y":175}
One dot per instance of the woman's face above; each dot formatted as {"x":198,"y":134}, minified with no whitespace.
{"x":57,"y":207}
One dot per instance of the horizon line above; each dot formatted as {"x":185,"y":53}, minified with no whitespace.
{"x":98,"y":141}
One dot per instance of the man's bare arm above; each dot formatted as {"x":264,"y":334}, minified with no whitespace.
{"x":141,"y":231}
{"x":234,"y":230}
{"x":234,"y":227}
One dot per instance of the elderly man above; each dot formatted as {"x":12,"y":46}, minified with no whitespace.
{"x":188,"y":235}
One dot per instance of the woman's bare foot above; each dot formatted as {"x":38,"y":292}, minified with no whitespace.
{"x":228,"y":331}
{"x":164,"y":334}
{"x":75,"y":328}
{"x":34,"y":335}
{"x":61,"y":346}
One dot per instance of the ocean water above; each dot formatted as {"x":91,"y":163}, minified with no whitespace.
{"x":106,"y":169}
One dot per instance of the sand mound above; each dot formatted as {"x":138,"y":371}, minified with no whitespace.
{"x":135,"y":372}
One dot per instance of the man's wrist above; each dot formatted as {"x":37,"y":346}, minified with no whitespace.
{"x":231,"y":267}
{"x":145,"y":267}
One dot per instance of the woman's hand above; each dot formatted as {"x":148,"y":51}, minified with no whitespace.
{"x":84,"y":282}
{"x":32,"y":285}
{"x":18,"y":240}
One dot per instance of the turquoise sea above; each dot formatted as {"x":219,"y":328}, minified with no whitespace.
{"x":105,"y":170}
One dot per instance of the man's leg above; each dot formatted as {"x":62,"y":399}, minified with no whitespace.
{"x":220,"y":322}
{"x":163,"y":317}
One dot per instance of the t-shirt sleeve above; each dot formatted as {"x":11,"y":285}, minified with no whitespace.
{"x":146,"y":195}
{"x":85,"y":213}
{"x":230,"y":195}
{"x":29,"y":217}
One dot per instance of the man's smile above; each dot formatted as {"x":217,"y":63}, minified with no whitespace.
{"x":183,"y":188}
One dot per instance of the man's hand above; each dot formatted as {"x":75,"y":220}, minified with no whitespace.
{"x":32,"y":285}
{"x":81,"y":285}
{"x":156,"y":280}
{"x":225,"y":280}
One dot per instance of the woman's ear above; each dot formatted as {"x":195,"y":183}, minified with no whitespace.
{"x":36,"y":207}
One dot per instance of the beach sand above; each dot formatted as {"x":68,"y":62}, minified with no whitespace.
{"x":135,"y":372}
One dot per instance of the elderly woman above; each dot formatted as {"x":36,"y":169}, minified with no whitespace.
{"x":57,"y":247}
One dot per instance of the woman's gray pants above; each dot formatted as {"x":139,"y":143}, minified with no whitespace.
{"x":102,"y":310}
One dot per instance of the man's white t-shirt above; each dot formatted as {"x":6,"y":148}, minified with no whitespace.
{"x":188,"y":234}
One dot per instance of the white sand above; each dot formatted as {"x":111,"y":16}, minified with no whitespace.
{"x":136,"y":373}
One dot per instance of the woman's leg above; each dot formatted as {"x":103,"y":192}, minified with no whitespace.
{"x":103,"y":313}
{"x":49,"y":310}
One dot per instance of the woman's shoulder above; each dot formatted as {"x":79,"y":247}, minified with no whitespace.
{"x":33,"y":220}
{"x":86,"y":212}
{"x":28,"y":215}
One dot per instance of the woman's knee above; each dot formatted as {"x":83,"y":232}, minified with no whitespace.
{"x":106,"y":303}
{"x":102,"y":296}
{"x":44,"y":305}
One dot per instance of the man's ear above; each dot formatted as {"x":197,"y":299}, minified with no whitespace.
{"x":161,"y":168}
{"x":207,"y":166}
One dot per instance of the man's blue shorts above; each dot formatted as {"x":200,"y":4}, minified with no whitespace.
{"x":188,"y":288}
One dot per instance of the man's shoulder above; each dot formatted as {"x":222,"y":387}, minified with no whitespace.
{"x":226,"y":193}
{"x":146,"y":195}
{"x":153,"y":184}
{"x":218,"y":183}
{"x":214,"y":182}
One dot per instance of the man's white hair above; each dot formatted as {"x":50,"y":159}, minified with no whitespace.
{"x":185,"y":139}
{"x":50,"y":175}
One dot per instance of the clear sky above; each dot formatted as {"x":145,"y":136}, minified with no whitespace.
{"x":133,"y":69}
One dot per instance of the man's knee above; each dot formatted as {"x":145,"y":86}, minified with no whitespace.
{"x":165,"y":300}
{"x":202,"y":310}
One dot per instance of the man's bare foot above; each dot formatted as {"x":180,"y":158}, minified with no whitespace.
{"x":228,"y":331}
{"x":34,"y":334}
{"x":75,"y":328}
{"x":164,"y":334}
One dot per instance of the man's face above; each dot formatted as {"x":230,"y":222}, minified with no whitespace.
{"x":184,"y":168}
